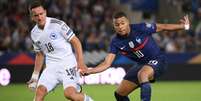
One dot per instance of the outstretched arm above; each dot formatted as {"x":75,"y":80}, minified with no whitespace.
{"x":185,"y":24}
{"x":102,"y":66}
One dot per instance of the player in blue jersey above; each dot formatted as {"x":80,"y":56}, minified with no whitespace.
{"x":135,"y":42}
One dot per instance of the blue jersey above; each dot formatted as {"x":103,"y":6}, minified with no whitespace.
{"x":139,"y":45}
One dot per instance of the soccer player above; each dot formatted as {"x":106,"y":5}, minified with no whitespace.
{"x":52,"y":40}
{"x":135,"y":42}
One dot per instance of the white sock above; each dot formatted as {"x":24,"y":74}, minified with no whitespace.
{"x":87,"y":98}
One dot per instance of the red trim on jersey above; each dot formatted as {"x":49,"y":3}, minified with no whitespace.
{"x":141,"y":45}
{"x":124,"y":53}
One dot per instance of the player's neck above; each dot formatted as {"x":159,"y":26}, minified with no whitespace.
{"x":41,"y":27}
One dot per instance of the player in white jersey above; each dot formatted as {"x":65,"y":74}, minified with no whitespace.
{"x":52,"y":40}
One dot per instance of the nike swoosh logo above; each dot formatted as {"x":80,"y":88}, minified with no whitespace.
{"x":138,"y":40}
{"x":122,"y":47}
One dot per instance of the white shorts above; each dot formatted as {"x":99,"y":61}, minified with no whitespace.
{"x":56,"y":74}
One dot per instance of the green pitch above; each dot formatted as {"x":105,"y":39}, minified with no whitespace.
{"x":162,"y":91}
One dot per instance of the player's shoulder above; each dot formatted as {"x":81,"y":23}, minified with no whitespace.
{"x":34,"y":32}
{"x":34,"y":29}
{"x":115,"y":39}
{"x":137,"y":25}
{"x":56,"y":21}
{"x":142,"y":24}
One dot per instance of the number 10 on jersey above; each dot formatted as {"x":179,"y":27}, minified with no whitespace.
{"x":139,"y":54}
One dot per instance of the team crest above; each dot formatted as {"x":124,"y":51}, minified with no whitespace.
{"x":53,"y":36}
{"x":131,"y":44}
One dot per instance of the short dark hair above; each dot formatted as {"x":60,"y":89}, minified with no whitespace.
{"x":119,"y":14}
{"x":35,"y":3}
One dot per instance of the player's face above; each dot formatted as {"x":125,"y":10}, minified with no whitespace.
{"x":121,"y":26}
{"x":38,"y":15}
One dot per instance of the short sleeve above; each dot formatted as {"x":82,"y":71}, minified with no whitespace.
{"x":67,"y":32}
{"x":35,"y":44}
{"x":36,"y":48}
{"x":146,"y":27}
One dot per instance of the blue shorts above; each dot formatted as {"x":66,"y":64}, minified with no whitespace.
{"x":159,"y":66}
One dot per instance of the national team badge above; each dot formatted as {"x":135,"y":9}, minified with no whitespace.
{"x":53,"y":36}
{"x":131,"y":44}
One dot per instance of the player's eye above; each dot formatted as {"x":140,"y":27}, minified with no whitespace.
{"x":117,"y":24}
{"x":35,"y":15}
{"x":122,"y":23}
{"x":41,"y":14}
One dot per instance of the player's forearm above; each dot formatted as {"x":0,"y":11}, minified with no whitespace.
{"x":104,"y":65}
{"x":100,"y":68}
{"x":38,"y":62}
{"x":169,"y":27}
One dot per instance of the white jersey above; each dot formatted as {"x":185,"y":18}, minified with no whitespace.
{"x":53,"y":41}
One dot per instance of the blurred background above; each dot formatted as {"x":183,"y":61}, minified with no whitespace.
{"x":91,"y":22}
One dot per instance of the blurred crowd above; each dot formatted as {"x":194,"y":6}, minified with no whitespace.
{"x":91,"y":22}
{"x":183,"y":41}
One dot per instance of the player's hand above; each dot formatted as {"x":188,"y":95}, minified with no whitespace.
{"x":85,"y":72}
{"x":185,"y":22}
{"x":32,"y":84}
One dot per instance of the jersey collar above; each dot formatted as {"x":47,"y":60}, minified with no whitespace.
{"x":46,"y":24}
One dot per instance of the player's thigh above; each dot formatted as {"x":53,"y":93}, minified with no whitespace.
{"x":70,"y":78}
{"x":48,"y":79}
{"x":126,"y":87}
{"x":146,"y":73}
{"x":131,"y":74}
{"x":72,"y":89}
{"x":159,"y":66}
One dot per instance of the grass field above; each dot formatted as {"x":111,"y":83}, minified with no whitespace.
{"x":162,"y":91}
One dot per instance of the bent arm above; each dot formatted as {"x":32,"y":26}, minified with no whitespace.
{"x":104,"y":65}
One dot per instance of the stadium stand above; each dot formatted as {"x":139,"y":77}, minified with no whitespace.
{"x":91,"y":21}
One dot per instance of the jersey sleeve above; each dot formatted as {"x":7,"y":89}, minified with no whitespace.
{"x":36,"y":47}
{"x":112,"y":48}
{"x":67,"y":32}
{"x":146,"y":27}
